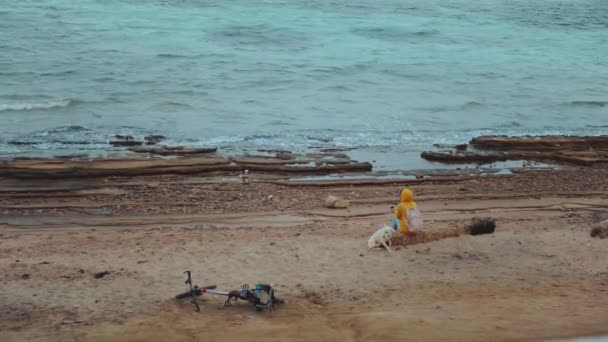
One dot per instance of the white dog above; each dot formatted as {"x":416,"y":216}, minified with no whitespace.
{"x":381,"y":238}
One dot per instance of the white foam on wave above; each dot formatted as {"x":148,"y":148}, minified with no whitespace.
{"x":380,"y":141}
{"x":33,"y":106}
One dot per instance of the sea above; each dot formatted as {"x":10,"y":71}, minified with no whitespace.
{"x":384,"y":79}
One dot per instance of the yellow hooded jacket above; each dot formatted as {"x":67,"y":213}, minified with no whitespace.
{"x":407,"y":202}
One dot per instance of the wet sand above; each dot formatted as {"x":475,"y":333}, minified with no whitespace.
{"x":539,"y":276}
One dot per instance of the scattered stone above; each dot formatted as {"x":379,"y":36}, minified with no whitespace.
{"x":125,"y":140}
{"x":153,"y":185}
{"x":100,"y":274}
{"x":154,"y":139}
{"x":26,"y":276}
{"x":334,"y":202}
{"x":600,"y":230}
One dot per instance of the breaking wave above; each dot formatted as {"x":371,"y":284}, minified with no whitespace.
{"x":35,"y":106}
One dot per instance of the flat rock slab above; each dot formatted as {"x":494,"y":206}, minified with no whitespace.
{"x":561,"y":149}
{"x":254,"y":161}
{"x":120,"y":143}
{"x":538,"y":143}
{"x":50,"y":168}
{"x":464,"y":157}
{"x":173,"y":150}
{"x":192,"y":164}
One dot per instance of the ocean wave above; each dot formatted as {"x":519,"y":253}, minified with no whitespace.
{"x":175,"y":55}
{"x":589,"y":103}
{"x":34,"y":106}
{"x":74,"y":142}
{"x":394,"y":33}
{"x":22,"y":143}
{"x":326,"y":72}
{"x":339,"y":88}
{"x":174,"y":105}
{"x":509,"y":124}
{"x":261,"y":35}
{"x":64,"y":129}
{"x":59,"y":73}
{"x":392,"y":140}
{"x":53,"y":142}
{"x":470,"y":105}
{"x":34,"y":73}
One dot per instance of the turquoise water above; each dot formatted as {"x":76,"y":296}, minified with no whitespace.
{"x":386,"y":77}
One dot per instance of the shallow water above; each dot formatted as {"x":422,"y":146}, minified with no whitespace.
{"x":387,"y":77}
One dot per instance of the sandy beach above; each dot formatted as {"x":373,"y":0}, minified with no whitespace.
{"x":539,"y":276}
{"x":255,"y":142}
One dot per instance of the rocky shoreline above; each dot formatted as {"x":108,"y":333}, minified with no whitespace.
{"x":157,"y":159}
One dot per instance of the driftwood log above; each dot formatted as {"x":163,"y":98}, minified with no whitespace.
{"x":480,"y":226}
